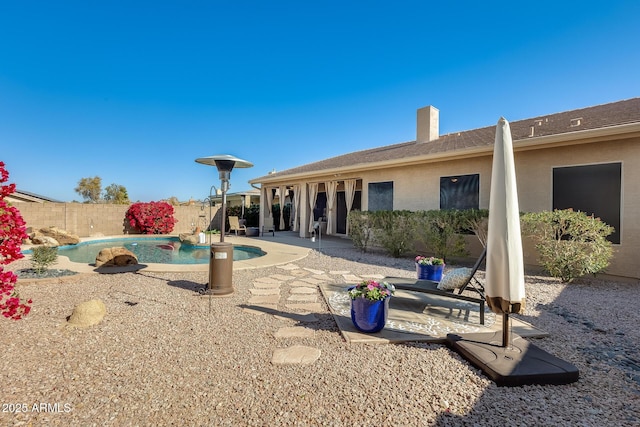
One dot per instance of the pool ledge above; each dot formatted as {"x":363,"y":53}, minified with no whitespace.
{"x":276,"y":254}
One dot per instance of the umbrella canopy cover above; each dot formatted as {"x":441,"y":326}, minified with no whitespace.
{"x":505,"y":266}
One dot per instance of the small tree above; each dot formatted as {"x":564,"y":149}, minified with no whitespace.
{"x":43,"y":257}
{"x":360,"y":229}
{"x":12,"y":233}
{"x":90,"y":189}
{"x":116,"y":194}
{"x":152,"y":217}
{"x":570,"y":244}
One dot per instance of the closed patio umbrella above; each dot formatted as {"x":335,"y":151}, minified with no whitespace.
{"x":505,"y":266}
{"x":519,"y":362}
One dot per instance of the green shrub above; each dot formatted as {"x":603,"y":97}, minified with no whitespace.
{"x":441,"y":231}
{"x":394,"y":231}
{"x":477,"y":222}
{"x":42,"y":257}
{"x":570,"y":244}
{"x":360,"y":229}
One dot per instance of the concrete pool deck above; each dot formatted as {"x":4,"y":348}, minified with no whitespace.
{"x":282,"y":248}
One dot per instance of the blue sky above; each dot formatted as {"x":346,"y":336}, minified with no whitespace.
{"x":135,"y":91}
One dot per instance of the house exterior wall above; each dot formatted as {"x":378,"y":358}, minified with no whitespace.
{"x":86,"y":220}
{"x":417,"y":187}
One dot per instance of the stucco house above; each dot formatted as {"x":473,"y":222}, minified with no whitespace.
{"x":586,"y":159}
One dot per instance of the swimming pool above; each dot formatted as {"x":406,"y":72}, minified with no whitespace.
{"x":160,"y":250}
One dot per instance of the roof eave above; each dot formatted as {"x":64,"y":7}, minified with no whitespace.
{"x":624,"y":131}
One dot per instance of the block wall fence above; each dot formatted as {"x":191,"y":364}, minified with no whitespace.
{"x":86,"y":220}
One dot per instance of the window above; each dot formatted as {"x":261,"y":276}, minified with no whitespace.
{"x":381,"y":196}
{"x":460,"y":192}
{"x":593,"y":189}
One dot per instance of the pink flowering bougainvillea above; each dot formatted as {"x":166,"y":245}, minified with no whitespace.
{"x":152,"y":217}
{"x":12,"y":233}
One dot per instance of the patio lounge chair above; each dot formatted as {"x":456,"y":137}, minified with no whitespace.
{"x":234,"y":225}
{"x":431,"y":287}
{"x":268,"y":226}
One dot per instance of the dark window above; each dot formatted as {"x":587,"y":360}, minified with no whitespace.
{"x":593,"y":189}
{"x":460,"y":192}
{"x":381,"y":196}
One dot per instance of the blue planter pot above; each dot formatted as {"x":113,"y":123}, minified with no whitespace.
{"x":369,"y":316}
{"x":429,"y":272}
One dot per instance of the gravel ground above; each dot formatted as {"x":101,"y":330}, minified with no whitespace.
{"x":164,"y":356}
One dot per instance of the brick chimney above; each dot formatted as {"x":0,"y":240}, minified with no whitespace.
{"x":428,"y":124}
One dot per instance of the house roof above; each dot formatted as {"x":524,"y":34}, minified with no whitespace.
{"x":564,"y":123}
{"x":26,"y":196}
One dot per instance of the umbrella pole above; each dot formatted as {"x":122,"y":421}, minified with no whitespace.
{"x":505,"y":330}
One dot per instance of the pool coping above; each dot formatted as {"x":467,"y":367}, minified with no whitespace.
{"x":275,"y":254}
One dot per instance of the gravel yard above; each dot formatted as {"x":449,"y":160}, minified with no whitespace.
{"x":165,"y":356}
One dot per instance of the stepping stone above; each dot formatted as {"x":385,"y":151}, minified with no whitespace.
{"x":260,"y":285}
{"x":264,"y":299}
{"x":350,"y":278}
{"x":306,"y":298}
{"x":268,"y":309}
{"x":288,"y":267}
{"x":294,"y":332}
{"x":314,"y":271}
{"x":312,"y":280}
{"x":311,"y":306}
{"x":298,"y":317}
{"x":304,"y":290}
{"x":297,"y":283}
{"x":297,"y":354}
{"x":267,"y":280}
{"x":339,"y":272}
{"x":282,"y":277}
{"x":323,"y":277}
{"x":267,"y":291}
{"x":373,"y":276}
{"x":298,"y":273}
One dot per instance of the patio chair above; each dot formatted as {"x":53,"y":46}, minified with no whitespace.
{"x":268,"y":226}
{"x":234,"y":225}
{"x":461,"y":280}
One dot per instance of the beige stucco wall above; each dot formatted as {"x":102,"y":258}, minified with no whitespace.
{"x":86,"y":220}
{"x":417,"y":187}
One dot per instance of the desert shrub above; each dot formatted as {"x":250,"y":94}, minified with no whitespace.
{"x":151,"y":217}
{"x":394,"y":231}
{"x":42,"y":257}
{"x":360,"y":229}
{"x":477,"y":222}
{"x":441,"y":231}
{"x":570,"y":244}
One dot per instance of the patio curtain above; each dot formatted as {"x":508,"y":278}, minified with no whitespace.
{"x":269,"y":199}
{"x":331,"y":189}
{"x":350,"y":192}
{"x":313,"y":194}
{"x":283,"y":190}
{"x":296,"y":207}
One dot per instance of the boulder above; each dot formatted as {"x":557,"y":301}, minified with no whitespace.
{"x":41,"y":239}
{"x":191,"y":239}
{"x":115,"y":257}
{"x":63,"y":237}
{"x":88,"y":313}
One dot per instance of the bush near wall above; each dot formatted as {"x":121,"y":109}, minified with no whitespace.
{"x":570,"y":244}
{"x":152,"y":217}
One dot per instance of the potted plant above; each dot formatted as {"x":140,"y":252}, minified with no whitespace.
{"x":370,"y":305}
{"x":429,"y":268}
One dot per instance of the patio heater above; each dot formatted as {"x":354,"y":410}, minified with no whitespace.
{"x":221,"y":260}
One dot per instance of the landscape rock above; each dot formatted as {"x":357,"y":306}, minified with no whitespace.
{"x":88,"y":313}
{"x":115,"y":257}
{"x":189,"y":238}
{"x":41,"y":239}
{"x":62,"y":236}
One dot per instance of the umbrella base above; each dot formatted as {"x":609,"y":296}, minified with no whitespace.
{"x":520,"y":364}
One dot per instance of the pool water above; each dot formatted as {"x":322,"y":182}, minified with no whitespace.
{"x":160,"y":250}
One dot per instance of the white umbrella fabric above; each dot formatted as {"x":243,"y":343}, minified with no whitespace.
{"x":505,"y":266}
